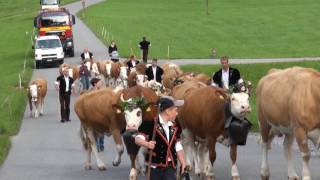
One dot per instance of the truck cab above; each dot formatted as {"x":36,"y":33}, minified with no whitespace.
{"x":48,"y":50}
{"x":49,"y":4}
{"x":57,"y":22}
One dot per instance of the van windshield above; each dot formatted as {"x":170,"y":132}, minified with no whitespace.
{"x":48,"y":43}
{"x":49,"y":2}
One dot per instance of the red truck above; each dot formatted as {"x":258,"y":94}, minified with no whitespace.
{"x":57,"y":21}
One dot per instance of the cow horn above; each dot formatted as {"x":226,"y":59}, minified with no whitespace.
{"x":122,"y":99}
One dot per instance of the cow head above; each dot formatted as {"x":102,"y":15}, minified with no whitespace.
{"x":243,"y":86}
{"x":123,"y":73}
{"x":155,"y":86}
{"x":132,"y":110}
{"x":34,"y":90}
{"x":140,"y":79}
{"x":239,"y":104}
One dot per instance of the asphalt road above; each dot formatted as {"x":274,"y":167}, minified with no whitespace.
{"x":46,"y":149}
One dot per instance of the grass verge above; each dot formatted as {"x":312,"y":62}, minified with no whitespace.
{"x":16,"y":22}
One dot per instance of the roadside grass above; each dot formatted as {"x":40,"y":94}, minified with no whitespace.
{"x":16,"y":22}
{"x":251,"y":72}
{"x":239,"y":29}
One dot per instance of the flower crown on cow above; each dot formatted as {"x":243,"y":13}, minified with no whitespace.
{"x":134,"y":102}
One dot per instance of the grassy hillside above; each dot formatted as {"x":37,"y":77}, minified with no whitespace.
{"x":251,"y":72}
{"x":16,"y":22}
{"x":240,"y":29}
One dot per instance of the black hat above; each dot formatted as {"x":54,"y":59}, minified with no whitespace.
{"x":94,"y":81}
{"x":166,"y":102}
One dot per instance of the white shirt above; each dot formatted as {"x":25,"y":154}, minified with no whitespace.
{"x":86,"y":55}
{"x":154,"y":70}
{"x":66,"y":78}
{"x":225,"y":79}
{"x":133,"y":63}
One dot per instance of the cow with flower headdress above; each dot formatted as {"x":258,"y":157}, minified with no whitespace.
{"x":112,"y":111}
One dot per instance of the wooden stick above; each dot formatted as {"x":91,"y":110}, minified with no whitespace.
{"x":151,"y":151}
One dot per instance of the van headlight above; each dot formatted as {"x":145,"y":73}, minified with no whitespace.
{"x":37,"y":56}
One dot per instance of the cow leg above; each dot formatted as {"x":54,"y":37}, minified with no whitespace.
{"x":87,"y":146}
{"x":41,"y":108}
{"x":133,"y":172}
{"x":188,"y":147}
{"x":264,"y":130}
{"x":87,"y":164}
{"x":212,"y":152}
{"x":36,"y":113}
{"x":119,"y":147}
{"x":203,"y":161}
{"x":93,"y":144}
{"x":301,"y":137}
{"x":287,"y":143}
{"x":234,"y":169}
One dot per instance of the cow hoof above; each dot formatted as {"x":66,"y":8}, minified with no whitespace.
{"x":306,"y":178}
{"x":264,"y":177}
{"x":295,"y":178}
{"x":102,"y":168}
{"x":236,"y":178}
{"x":117,"y":163}
{"x":89,"y":167}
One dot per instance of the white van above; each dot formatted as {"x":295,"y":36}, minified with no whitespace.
{"x":48,"y":50}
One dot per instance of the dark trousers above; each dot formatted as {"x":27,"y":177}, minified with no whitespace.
{"x":163,"y":174}
{"x":145,"y":55}
{"x":64,"y":105}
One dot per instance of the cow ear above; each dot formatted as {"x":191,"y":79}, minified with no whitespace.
{"x":117,"y":108}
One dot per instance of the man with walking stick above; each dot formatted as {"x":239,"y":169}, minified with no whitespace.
{"x":162,"y":138}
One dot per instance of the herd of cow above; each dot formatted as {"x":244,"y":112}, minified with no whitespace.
{"x":288,"y":102}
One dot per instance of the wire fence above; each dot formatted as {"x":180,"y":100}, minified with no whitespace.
{"x":7,"y":104}
{"x":104,"y":32}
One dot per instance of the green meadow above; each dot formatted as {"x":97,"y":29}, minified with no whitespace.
{"x":251,"y":72}
{"x":239,"y":29}
{"x":16,"y":22}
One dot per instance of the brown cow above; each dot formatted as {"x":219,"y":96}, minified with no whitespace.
{"x":37,"y":91}
{"x":288,"y":102}
{"x":170,"y":73}
{"x":203,"y":116}
{"x":111,"y":111}
{"x":192,"y":76}
{"x":119,"y":75}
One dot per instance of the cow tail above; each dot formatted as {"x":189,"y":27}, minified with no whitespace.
{"x":84,"y":138}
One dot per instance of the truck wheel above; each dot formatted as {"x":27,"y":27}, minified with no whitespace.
{"x":37,"y":64}
{"x":71,"y":53}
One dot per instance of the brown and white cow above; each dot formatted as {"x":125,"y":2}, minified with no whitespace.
{"x":203,"y":119}
{"x":288,"y":102}
{"x":111,"y":111}
{"x":37,"y":91}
